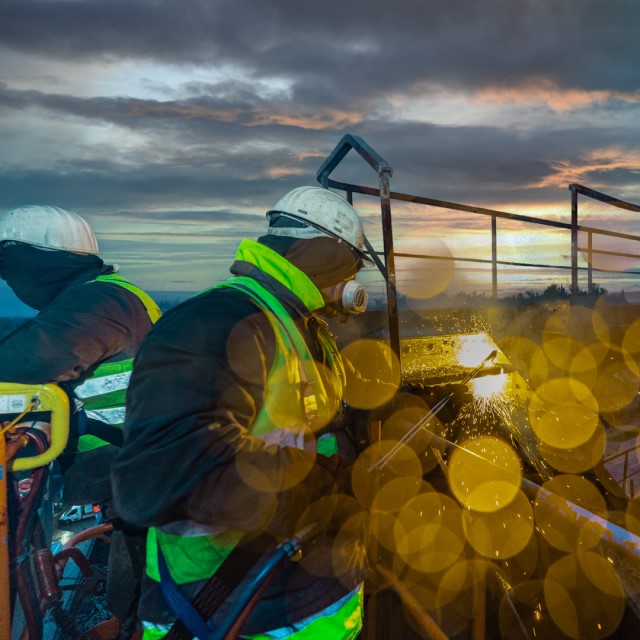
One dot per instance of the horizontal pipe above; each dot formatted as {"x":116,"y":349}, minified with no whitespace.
{"x":603,"y":197}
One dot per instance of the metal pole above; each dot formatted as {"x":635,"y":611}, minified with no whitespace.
{"x":384,"y":171}
{"x":387,"y":237}
{"x":574,"y":240}
{"x":414,"y":606}
{"x":590,"y":267}
{"x":494,"y":259}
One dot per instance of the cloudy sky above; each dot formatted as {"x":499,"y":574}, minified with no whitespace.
{"x":172,"y":126}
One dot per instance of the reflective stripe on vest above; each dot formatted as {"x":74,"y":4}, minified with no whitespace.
{"x":103,"y":394}
{"x":149,"y":303}
{"x":339,"y":621}
{"x":113,"y":416}
{"x":151,"y":631}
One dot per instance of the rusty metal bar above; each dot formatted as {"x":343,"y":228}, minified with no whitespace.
{"x":387,"y":237}
{"x":384,"y":171}
{"x":574,"y":240}
{"x":508,"y":263}
{"x":603,"y":197}
{"x":611,"y":234}
{"x":574,"y":227}
{"x":604,"y":252}
{"x":626,"y":468}
{"x":428,"y":624}
{"x":505,"y":215}
{"x":590,"y":265}
{"x":444,"y":204}
{"x":494,"y":259}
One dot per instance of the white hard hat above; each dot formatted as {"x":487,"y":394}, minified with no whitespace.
{"x":325,"y":213}
{"x":48,"y":227}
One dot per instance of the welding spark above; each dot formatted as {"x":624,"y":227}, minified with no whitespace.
{"x":488,"y":387}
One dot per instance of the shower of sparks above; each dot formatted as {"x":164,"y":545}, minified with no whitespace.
{"x":472,"y":348}
{"x":488,"y":389}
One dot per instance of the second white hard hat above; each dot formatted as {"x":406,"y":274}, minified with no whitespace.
{"x":48,"y":227}
{"x":324,"y":211}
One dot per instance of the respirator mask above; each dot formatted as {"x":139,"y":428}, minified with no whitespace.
{"x":345,"y":298}
{"x":325,"y":256}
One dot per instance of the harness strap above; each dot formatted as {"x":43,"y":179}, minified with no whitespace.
{"x":194,"y":616}
{"x":193,"y":624}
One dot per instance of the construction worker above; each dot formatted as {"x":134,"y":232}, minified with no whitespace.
{"x":233,"y":440}
{"x":90,"y":324}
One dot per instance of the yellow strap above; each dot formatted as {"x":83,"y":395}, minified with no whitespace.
{"x":149,"y":303}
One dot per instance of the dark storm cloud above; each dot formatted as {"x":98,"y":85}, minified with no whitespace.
{"x":199,"y":158}
{"x":364,"y":47}
{"x":76,"y":187}
{"x":484,"y":159}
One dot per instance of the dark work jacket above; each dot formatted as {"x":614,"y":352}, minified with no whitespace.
{"x":85,"y":324}
{"x":198,"y":384}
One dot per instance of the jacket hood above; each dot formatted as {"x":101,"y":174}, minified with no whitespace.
{"x":38,"y":276}
{"x":324,"y":260}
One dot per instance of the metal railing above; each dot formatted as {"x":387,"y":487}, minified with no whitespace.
{"x":627,"y":478}
{"x":387,"y":266}
{"x":590,"y":251}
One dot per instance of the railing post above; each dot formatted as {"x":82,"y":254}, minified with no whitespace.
{"x":494,"y":259}
{"x":390,"y":261}
{"x":590,"y":265}
{"x":574,"y":240}
{"x":384,"y":171}
{"x":625,"y":469}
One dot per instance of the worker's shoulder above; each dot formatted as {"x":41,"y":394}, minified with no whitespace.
{"x":234,"y":299}
{"x":90,"y":304}
{"x":219,"y":304}
{"x":99,"y":292}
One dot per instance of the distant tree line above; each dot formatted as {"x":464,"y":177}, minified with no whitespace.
{"x":560,"y":292}
{"x":460,"y":299}
{"x":483,"y":299}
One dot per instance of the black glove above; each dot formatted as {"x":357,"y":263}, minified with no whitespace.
{"x":415,"y":388}
{"x":350,"y":427}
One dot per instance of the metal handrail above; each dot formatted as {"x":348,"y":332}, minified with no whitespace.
{"x":384,"y":171}
{"x":387,"y":268}
{"x":625,"y":475}
{"x":601,"y":197}
{"x":604,"y":197}
{"x":350,"y":188}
